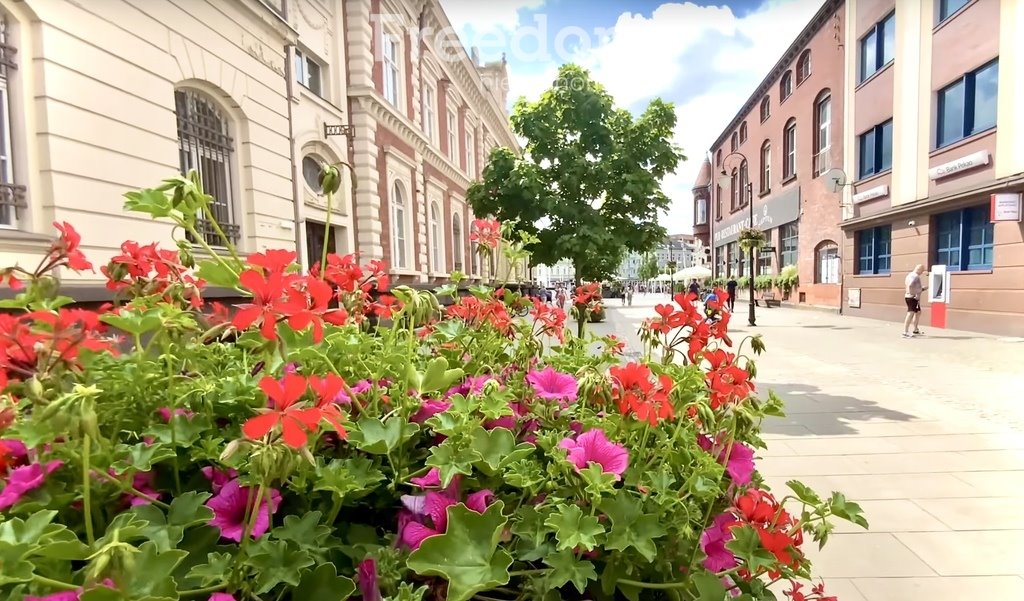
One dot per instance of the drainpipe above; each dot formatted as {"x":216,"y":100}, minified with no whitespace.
{"x":289,"y":76}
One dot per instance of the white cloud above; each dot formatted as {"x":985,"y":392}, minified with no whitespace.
{"x":473,"y":19}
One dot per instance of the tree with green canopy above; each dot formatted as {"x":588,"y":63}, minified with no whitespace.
{"x":649,"y":269}
{"x":588,"y":185}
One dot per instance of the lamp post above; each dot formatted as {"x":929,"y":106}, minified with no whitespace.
{"x":724,"y":180}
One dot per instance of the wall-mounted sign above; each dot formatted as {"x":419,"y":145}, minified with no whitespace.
{"x":853,"y":298}
{"x":776,"y":211}
{"x":871,"y":194}
{"x":1006,"y":207}
{"x":767,"y":250}
{"x":962,"y":164}
{"x":338,"y":130}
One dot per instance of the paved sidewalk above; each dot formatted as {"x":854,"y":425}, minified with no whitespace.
{"x":926,"y":433}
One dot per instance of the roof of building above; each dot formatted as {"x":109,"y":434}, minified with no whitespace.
{"x":828,"y":8}
{"x":704,"y":177}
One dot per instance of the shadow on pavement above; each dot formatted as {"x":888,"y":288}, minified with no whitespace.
{"x":812,"y":412}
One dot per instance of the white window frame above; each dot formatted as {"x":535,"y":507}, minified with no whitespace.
{"x":436,"y":240}
{"x":458,"y":243}
{"x":305,"y":77}
{"x":702,"y":210}
{"x":453,"y":135}
{"x":470,"y":147}
{"x":429,"y":112}
{"x":391,"y":71}
{"x":789,"y":150}
{"x":824,"y":141}
{"x":8,"y":214}
{"x":766,"y":167}
{"x":399,"y":219}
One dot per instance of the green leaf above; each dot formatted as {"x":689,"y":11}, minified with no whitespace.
{"x":102,"y":593}
{"x":156,"y":529}
{"x":497,"y":447}
{"x":324,"y":584}
{"x":377,"y":438}
{"x":710,"y":587}
{"x":573,"y":529}
{"x":216,"y":273}
{"x":467,"y":555}
{"x":437,"y":376}
{"x":746,"y":546}
{"x":352,"y":478}
{"x":140,"y":457}
{"x":631,"y":527}
{"x":134,"y":322}
{"x":188,"y":509}
{"x":451,"y":457}
{"x":847,"y":510}
{"x":306,"y":532}
{"x":567,"y":568}
{"x":153,"y":202}
{"x":213,"y":571}
{"x":804,"y":493}
{"x":151,"y":579}
{"x":276,"y":562}
{"x":13,"y":565}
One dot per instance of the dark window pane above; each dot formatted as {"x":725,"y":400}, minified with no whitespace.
{"x":951,"y":114}
{"x":867,"y":56}
{"x":867,"y":153}
{"x":888,"y":40}
{"x":986,"y":85}
{"x":884,"y":160}
{"x":313,"y":77}
{"x":948,"y":7}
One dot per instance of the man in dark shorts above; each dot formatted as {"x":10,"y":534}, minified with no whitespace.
{"x":730,"y":287}
{"x":912,"y":294}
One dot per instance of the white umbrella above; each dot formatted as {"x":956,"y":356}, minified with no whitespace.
{"x":698,"y":272}
{"x":663,"y":278}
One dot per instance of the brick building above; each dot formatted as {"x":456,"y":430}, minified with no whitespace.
{"x":777,"y":150}
{"x":935,"y":100}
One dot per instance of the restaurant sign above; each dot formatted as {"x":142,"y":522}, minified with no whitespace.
{"x":775,"y":212}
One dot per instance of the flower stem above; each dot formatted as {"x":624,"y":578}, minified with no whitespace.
{"x":202,"y":591}
{"x":654,"y":585}
{"x":251,"y":522}
{"x":327,"y":234}
{"x":86,"y":497}
{"x":57,"y":584}
{"x":132,"y":490}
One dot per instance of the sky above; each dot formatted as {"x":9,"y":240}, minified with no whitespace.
{"x":706,"y":57}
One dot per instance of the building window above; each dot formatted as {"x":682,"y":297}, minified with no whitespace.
{"x":790,"y":238}
{"x":733,"y":142}
{"x":392,"y":71}
{"x":311,"y":172}
{"x":968,"y":106}
{"x":877,"y":48}
{"x":786,"y":86}
{"x":436,"y":242}
{"x":803,"y":67}
{"x":734,"y":189}
{"x":702,"y":210}
{"x":963,"y":240}
{"x":874,"y":250}
{"x":399,"y":242}
{"x":12,"y":196}
{"x":766,"y":109}
{"x":826,"y":263}
{"x":457,"y":242}
{"x":718,"y":158}
{"x":744,"y":182}
{"x":205,"y":144}
{"x":823,"y":139}
{"x":470,"y":153}
{"x":876,"y":149}
{"x":429,"y":113}
{"x":766,"y":166}
{"x":743,"y":132}
{"x":317,"y":237}
{"x":789,"y":150}
{"x":718,"y":202}
{"x":764,"y":259}
{"x":948,"y":7}
{"x":453,"y":135}
{"x":308,"y":72}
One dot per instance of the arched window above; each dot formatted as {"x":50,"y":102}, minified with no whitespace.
{"x":436,"y":241}
{"x":789,"y":150}
{"x":457,"y":242}
{"x":803,"y":67}
{"x":826,"y":263}
{"x":734,"y":188}
{"x":718,"y":202}
{"x":399,"y":242}
{"x":743,"y":132}
{"x":744,"y":181}
{"x":823,"y":132}
{"x":786,"y":86}
{"x":733,"y":142}
{"x":718,"y":158}
{"x":766,"y":109}
{"x":205,"y":144}
{"x":766,"y":166}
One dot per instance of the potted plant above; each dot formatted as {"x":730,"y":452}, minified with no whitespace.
{"x":789,"y":278}
{"x":163,"y":448}
{"x":751,"y":238}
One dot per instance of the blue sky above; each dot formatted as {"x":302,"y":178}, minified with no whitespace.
{"x":705,"y":56}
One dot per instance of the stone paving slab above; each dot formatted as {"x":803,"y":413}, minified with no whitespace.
{"x":1000,"y":588}
{"x":976,"y":553}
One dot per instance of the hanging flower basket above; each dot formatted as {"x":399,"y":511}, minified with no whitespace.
{"x":752,"y":238}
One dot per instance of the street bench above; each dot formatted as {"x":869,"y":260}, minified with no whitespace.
{"x":768,"y":300}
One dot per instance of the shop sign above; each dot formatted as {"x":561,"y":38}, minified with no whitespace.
{"x":871,"y":194}
{"x":776,"y":211}
{"x":1006,"y":207}
{"x":962,"y":164}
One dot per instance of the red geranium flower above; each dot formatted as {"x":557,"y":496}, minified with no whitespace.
{"x":295,"y":422}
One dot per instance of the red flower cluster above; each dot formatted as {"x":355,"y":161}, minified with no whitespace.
{"x":353,"y":284}
{"x":486,"y":233}
{"x":281,"y":295}
{"x":40,"y":341}
{"x":297,"y":420}
{"x":146,"y":270}
{"x":551,"y":319}
{"x":775,"y":527}
{"x":64,"y":252}
{"x":728,"y":382}
{"x":588,"y":294}
{"x":636,"y":393}
{"x":817,"y":592}
{"x":479,"y":313}
{"x":691,"y":326}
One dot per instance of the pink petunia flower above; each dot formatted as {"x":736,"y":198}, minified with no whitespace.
{"x":25,"y":479}
{"x":218,"y":478}
{"x":431,"y":479}
{"x":594,"y":447}
{"x":144,"y":482}
{"x":480,"y":500}
{"x":740,"y":462}
{"x":166,"y":414}
{"x":362,"y":386}
{"x":368,"y":585}
{"x":549,"y":383}
{"x":712,"y":543}
{"x":222,"y":597}
{"x":432,"y":520}
{"x":61,"y":596}
{"x":229,"y":508}
{"x":429,"y":409}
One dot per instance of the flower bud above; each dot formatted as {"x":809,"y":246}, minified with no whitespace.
{"x":230,"y":450}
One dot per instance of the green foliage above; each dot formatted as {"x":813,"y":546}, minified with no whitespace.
{"x":648,"y":269}
{"x":788,"y":278}
{"x":764,"y":282}
{"x":591,"y":173}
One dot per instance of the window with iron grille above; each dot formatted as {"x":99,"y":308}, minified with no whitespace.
{"x":205,"y":144}
{"x":12,"y":196}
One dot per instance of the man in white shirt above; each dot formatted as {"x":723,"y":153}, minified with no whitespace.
{"x":912,"y":294}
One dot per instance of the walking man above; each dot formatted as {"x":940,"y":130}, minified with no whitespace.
{"x":731,"y":287}
{"x":912,"y":294}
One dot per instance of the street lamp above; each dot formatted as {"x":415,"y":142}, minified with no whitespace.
{"x":725,"y":180}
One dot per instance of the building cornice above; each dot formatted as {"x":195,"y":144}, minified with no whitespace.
{"x":802,"y":39}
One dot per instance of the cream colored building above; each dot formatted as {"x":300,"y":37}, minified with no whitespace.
{"x":427,"y":114}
